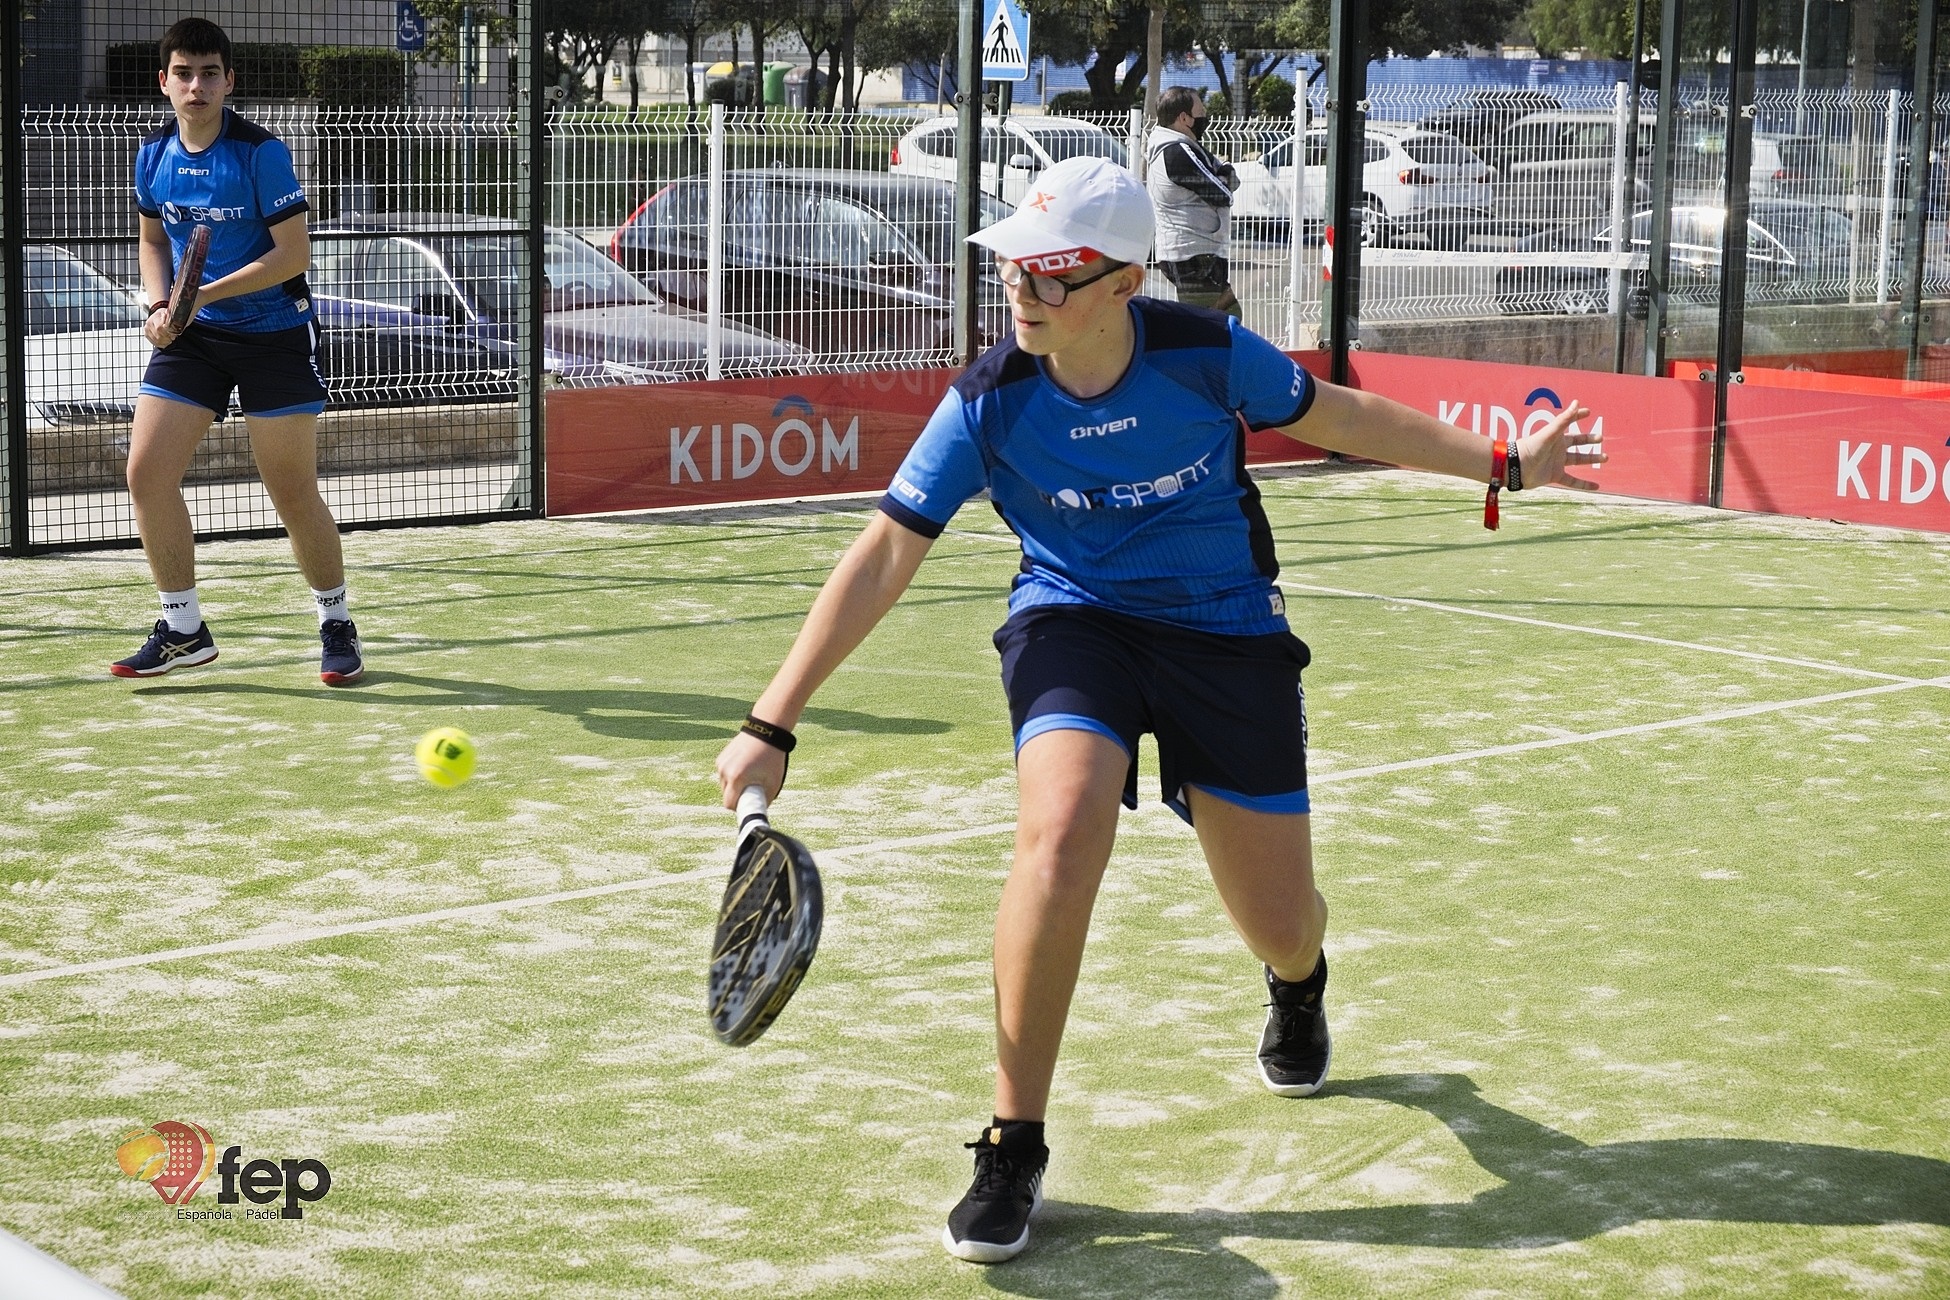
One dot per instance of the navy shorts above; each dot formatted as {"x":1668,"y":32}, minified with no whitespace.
{"x":1228,"y":711}
{"x":274,"y":373}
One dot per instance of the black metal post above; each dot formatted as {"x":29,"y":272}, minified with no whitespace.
{"x":1921,"y":131}
{"x":1658,"y":255}
{"x":1733,"y":234}
{"x":968,"y":182}
{"x":13,"y":237}
{"x":532,"y":122}
{"x":1347,"y":108}
{"x":1625,"y":238}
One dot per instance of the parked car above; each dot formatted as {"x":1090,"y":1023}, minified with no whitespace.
{"x":839,"y":262}
{"x":1557,"y":167}
{"x":1478,"y":116}
{"x":1014,"y":150}
{"x":1796,"y":252}
{"x":424,"y":309}
{"x":1413,"y":182}
{"x":1782,"y":166}
{"x":85,"y":351}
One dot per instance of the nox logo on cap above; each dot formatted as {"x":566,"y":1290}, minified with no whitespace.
{"x":1057,"y":263}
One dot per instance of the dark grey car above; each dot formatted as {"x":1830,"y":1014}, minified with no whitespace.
{"x":1796,"y":252}
{"x":853,"y":265}
{"x":424,"y":309}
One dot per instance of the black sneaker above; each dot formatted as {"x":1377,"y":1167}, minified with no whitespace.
{"x":992,"y":1222}
{"x":166,"y":649}
{"x":1294,"y":1048}
{"x":340,"y":663}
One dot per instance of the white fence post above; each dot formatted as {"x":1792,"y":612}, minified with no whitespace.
{"x":1134,"y":148}
{"x":1888,"y":197}
{"x":1297,"y":258}
{"x":714,"y":251}
{"x":1623,"y":147}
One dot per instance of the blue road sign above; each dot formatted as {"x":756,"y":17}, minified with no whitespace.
{"x":1005,"y":43}
{"x":410,"y":32}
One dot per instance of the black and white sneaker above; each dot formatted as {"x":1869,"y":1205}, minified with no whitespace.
{"x":166,"y":649}
{"x":340,"y":663}
{"x":1294,"y":1047}
{"x":992,"y":1222}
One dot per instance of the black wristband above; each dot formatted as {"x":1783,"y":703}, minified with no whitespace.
{"x":1513,"y":472}
{"x":155,"y":307}
{"x":769,"y":732}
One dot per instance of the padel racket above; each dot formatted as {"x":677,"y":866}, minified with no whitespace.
{"x":768,"y":926}
{"x":189,"y":279}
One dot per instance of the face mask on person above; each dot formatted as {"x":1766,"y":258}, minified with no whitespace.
{"x":1198,"y":127}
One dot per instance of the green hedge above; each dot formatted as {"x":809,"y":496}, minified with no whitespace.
{"x":361,"y":75}
{"x":265,"y":70}
{"x":367,"y":76}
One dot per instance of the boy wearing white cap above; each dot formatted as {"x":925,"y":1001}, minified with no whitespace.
{"x":1110,"y":435}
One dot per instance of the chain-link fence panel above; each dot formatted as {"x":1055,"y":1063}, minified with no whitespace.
{"x":405,"y":171}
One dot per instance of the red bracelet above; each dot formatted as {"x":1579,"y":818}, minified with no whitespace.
{"x":1499,"y":465}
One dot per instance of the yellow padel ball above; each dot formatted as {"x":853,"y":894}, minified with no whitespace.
{"x":445,"y":756}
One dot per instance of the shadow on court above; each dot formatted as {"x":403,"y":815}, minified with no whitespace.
{"x":628,"y":713}
{"x":1555,"y":1189}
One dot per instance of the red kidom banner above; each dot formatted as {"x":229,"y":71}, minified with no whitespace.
{"x":659,"y":445}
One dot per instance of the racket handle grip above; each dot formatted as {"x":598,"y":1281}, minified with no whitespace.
{"x":752,"y":803}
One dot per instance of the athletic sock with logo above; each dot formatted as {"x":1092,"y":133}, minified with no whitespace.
{"x":182,"y":611}
{"x":1018,"y":1133}
{"x":331,"y":604}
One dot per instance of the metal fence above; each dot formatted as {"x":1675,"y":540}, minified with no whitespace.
{"x":703,"y":243}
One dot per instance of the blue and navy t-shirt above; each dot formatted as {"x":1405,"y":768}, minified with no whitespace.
{"x":1136,"y":501}
{"x":240,"y":187}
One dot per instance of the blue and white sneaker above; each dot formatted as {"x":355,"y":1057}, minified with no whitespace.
{"x":340,"y":664}
{"x":166,"y":649}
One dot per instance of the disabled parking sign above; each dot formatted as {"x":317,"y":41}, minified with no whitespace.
{"x":1005,"y":43}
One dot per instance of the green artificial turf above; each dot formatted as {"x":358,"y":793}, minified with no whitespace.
{"x":1647,"y":999}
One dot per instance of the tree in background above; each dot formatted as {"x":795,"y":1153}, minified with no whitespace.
{"x":582,"y":34}
{"x":1409,"y":28}
{"x":921,"y":32}
{"x":1250,"y":31}
{"x":690,"y":21}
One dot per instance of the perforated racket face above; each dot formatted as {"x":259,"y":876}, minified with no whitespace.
{"x":768,"y":930}
{"x":189,"y":279}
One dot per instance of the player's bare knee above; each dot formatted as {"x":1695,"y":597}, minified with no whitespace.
{"x":151,"y":475}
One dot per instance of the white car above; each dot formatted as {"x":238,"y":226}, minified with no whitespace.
{"x":1014,"y":150}
{"x":85,"y":349}
{"x":1412,"y":182}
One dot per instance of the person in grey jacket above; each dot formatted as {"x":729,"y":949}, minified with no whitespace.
{"x":1192,"y":191}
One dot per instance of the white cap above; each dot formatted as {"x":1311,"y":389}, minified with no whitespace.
{"x":1077,"y":211}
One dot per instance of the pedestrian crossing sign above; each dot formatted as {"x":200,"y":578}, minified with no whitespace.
{"x":1005,"y":43}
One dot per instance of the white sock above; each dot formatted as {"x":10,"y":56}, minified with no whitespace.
{"x":182,"y":610}
{"x":331,"y":604}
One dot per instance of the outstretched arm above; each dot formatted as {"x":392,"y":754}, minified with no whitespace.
{"x":1375,"y":428}
{"x":869,"y":578}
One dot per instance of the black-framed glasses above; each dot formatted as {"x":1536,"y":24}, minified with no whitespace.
{"x":1047,"y":289}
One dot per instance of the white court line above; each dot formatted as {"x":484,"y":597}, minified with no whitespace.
{"x":1637,"y":729}
{"x":280,"y":938}
{"x":1621,"y":636}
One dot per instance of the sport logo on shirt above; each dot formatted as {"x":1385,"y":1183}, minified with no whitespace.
{"x":1128,"y":496}
{"x":177,"y":213}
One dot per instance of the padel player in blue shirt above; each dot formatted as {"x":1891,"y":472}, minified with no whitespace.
{"x":253,"y":334}
{"x":1110,"y":434}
